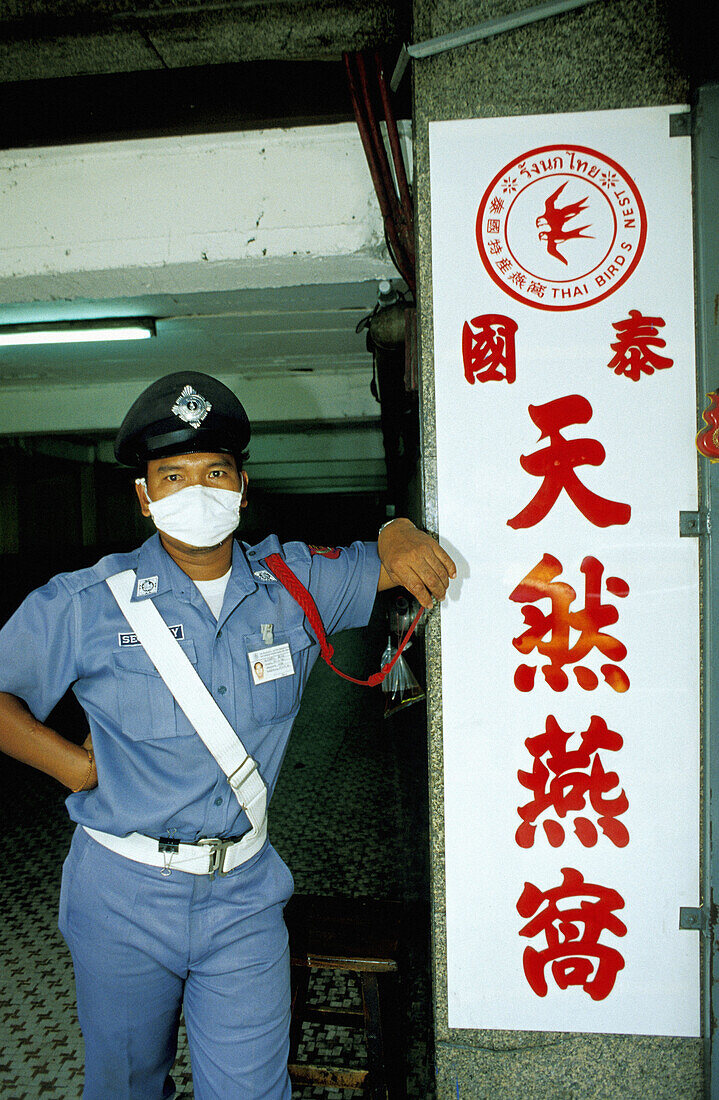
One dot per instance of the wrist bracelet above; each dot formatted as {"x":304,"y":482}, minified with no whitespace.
{"x":91,"y":761}
{"x":394,"y":520}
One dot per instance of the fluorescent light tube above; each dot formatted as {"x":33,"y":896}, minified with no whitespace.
{"x":75,"y":332}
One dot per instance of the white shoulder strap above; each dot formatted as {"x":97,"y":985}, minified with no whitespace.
{"x":192,"y":696}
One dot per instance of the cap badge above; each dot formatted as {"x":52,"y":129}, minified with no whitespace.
{"x":191,"y":407}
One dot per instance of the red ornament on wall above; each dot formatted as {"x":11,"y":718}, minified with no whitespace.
{"x":707,"y":440}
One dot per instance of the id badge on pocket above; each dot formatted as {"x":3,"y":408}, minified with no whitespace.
{"x":272,"y":663}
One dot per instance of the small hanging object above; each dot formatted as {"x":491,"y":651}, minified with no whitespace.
{"x":400,"y":686}
{"x":707,"y":440}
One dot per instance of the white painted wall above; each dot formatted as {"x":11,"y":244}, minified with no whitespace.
{"x":195,"y":213}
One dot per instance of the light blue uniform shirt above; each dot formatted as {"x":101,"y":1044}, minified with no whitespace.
{"x":155,"y":775}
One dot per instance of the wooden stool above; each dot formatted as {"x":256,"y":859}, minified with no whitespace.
{"x":361,"y":936}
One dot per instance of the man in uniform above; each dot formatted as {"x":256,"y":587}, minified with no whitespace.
{"x":172,"y":895}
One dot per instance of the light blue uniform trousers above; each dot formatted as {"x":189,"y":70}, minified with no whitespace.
{"x":144,"y":946}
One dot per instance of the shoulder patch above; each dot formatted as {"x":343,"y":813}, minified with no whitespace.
{"x":324,"y":551}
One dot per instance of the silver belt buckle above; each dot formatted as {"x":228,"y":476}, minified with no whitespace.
{"x":218,"y":850}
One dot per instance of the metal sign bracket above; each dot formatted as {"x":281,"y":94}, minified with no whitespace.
{"x":693,"y":918}
{"x":681,"y":124}
{"x":694,"y":524}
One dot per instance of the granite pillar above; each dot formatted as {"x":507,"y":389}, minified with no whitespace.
{"x":626,"y":53}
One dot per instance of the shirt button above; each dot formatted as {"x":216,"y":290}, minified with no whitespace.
{"x":219,"y":633}
{"x":218,"y":801}
{"x":221,"y":690}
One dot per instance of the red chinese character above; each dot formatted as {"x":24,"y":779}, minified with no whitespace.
{"x":519,"y":278}
{"x":556,"y":464}
{"x":488,"y":349}
{"x":562,"y":781}
{"x":504,"y":265}
{"x":496,"y":205}
{"x":636,"y":338}
{"x":536,"y":288}
{"x":573,"y":948}
{"x":494,"y":247}
{"x":493,"y":225}
{"x":559,"y":621}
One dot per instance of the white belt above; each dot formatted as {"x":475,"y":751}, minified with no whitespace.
{"x":209,"y":856}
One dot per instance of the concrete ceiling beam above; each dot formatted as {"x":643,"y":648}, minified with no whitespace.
{"x":198,"y":213}
{"x":342,"y":396}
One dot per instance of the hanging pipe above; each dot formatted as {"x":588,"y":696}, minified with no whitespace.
{"x":392,"y":226}
{"x":377,"y":161}
{"x":406,"y":207}
{"x":367,"y":143}
{"x":401,"y":209}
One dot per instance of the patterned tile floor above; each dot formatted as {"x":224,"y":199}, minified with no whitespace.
{"x":349,"y":817}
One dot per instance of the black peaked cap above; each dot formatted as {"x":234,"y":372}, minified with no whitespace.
{"x":182,"y":413}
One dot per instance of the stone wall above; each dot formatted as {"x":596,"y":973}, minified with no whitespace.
{"x":626,"y":53}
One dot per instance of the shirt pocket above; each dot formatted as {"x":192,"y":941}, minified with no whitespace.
{"x":277,"y":699}
{"x":148,"y":711}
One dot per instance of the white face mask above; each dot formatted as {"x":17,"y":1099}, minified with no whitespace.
{"x":198,"y":515}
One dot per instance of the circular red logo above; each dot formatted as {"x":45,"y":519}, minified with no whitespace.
{"x":561,"y":227}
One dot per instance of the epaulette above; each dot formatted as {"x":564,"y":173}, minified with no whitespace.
{"x":269,"y":545}
{"x":290,"y":551}
{"x":298,"y":555}
{"x":85,"y":578}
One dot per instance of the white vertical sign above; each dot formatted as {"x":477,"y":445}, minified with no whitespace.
{"x":565,"y":399}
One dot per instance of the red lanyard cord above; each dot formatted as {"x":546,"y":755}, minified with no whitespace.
{"x":300,"y":594}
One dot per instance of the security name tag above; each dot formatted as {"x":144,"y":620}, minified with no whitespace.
{"x":271,"y":663}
